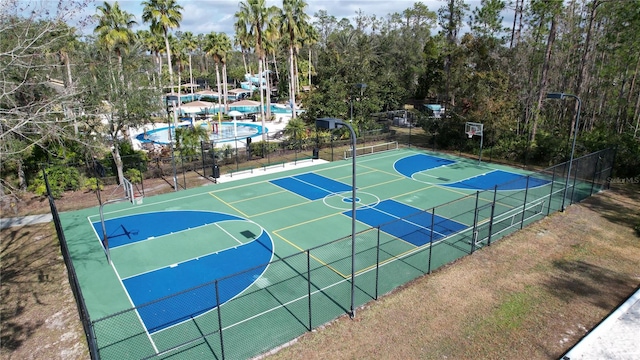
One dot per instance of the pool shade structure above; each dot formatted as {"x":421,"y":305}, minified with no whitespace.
{"x":561,"y":96}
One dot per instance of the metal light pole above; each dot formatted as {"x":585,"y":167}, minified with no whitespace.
{"x":561,"y":96}
{"x":353,"y":211}
{"x":173,"y":160}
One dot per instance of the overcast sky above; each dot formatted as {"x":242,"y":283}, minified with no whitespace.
{"x":204,"y":16}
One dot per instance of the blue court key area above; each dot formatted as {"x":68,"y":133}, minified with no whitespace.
{"x":311,"y":186}
{"x":504,"y":179}
{"x":410,"y":165}
{"x":406,"y":222}
{"x":130,"y":229}
{"x":153,"y":288}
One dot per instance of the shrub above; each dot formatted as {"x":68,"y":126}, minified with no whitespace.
{"x":61,"y":178}
{"x":134,"y":175}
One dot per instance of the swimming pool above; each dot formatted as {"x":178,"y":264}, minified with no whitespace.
{"x":228,"y":131}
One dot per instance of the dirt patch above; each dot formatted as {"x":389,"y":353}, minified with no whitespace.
{"x":39,"y":315}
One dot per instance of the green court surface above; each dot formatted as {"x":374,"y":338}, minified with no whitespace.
{"x":308,"y":279}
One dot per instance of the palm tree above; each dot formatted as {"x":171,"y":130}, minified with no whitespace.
{"x":310,"y":40}
{"x":190,"y":44}
{"x":163,"y":15}
{"x":243,"y":40}
{"x":254,"y":15}
{"x":114,"y":29}
{"x":153,"y":44}
{"x":272,"y":40}
{"x":217,"y":45}
{"x":293,"y":25}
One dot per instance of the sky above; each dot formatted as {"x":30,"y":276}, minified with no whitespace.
{"x":205,"y":16}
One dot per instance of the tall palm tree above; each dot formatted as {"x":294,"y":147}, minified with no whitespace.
{"x":312,"y":37}
{"x":163,"y":15}
{"x":114,"y":29}
{"x":217,"y":45}
{"x":272,"y":40}
{"x":254,"y":15}
{"x":243,"y":40}
{"x":190,"y":44}
{"x":153,"y":44}
{"x":294,"y":23}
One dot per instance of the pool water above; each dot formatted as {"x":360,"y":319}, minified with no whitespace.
{"x":228,"y":131}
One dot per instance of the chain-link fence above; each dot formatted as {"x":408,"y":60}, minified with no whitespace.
{"x":312,"y":287}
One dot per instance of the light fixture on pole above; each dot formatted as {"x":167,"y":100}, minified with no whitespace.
{"x":561,"y":96}
{"x":332,"y":123}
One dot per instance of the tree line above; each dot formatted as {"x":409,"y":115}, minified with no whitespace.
{"x":74,"y":92}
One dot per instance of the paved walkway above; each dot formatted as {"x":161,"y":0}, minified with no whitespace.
{"x":23,"y":221}
{"x":617,"y":337}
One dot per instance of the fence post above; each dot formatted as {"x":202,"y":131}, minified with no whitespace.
{"x":475,"y":224}
{"x":184,"y":174}
{"x":219,"y":318}
{"x":575,"y":179}
{"x":309,"y":286}
{"x":553,"y":181}
{"x":377,"y":262}
{"x":613,"y":161}
{"x":433,"y":217}
{"x":595,"y":173}
{"x":524,"y":205}
{"x":493,"y":209}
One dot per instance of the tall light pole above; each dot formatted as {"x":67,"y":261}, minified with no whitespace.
{"x":561,"y":96}
{"x":326,"y":123}
{"x":173,"y":160}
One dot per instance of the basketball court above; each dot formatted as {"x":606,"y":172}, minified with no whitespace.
{"x":238,"y":254}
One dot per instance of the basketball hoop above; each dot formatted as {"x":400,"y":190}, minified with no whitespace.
{"x":137,"y":199}
{"x":471,"y":133}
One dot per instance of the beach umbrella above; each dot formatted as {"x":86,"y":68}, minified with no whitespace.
{"x":234,"y":114}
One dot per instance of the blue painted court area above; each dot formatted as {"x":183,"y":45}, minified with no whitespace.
{"x":150,"y":291}
{"x":503,"y":179}
{"x":311,"y":186}
{"x":130,"y":229}
{"x":406,"y":222}
{"x":156,"y":285}
{"x":410,"y":165}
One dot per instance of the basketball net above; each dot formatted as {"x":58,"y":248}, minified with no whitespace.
{"x":471,"y":133}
